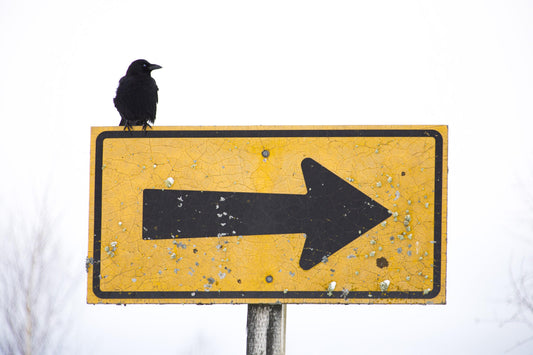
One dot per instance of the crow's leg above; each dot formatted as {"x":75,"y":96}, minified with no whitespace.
{"x":128,"y":126}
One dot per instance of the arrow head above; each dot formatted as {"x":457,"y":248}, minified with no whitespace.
{"x":337,"y":213}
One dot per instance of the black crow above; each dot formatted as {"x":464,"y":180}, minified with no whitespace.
{"x":136,"y":98}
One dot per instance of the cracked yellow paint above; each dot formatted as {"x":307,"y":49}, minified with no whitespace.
{"x":398,"y":172}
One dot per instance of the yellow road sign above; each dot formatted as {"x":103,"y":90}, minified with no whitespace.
{"x":305,"y":214}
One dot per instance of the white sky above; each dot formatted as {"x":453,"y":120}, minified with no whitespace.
{"x":466,"y":64}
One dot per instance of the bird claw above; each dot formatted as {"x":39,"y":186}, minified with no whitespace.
{"x":128,"y":126}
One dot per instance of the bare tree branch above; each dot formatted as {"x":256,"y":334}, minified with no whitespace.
{"x":34,"y":284}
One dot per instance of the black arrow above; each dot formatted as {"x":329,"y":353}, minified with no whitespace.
{"x":332,"y":213}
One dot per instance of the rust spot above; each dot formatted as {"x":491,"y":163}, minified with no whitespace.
{"x":382,"y":262}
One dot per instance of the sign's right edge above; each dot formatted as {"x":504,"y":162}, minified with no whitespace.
{"x":438,"y":294}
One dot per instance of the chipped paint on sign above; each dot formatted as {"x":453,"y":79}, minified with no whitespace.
{"x":401,"y":259}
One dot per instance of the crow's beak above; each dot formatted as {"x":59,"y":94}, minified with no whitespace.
{"x":154,"y":67}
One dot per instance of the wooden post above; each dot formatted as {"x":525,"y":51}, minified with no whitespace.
{"x":266,"y":329}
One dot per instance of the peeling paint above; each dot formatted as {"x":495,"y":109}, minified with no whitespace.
{"x":331,"y":288}
{"x":169,"y":182}
{"x":384,"y":285}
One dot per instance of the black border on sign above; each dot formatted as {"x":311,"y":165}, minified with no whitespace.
{"x":273,"y":295}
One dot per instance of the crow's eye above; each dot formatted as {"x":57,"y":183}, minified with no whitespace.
{"x":145,"y":65}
